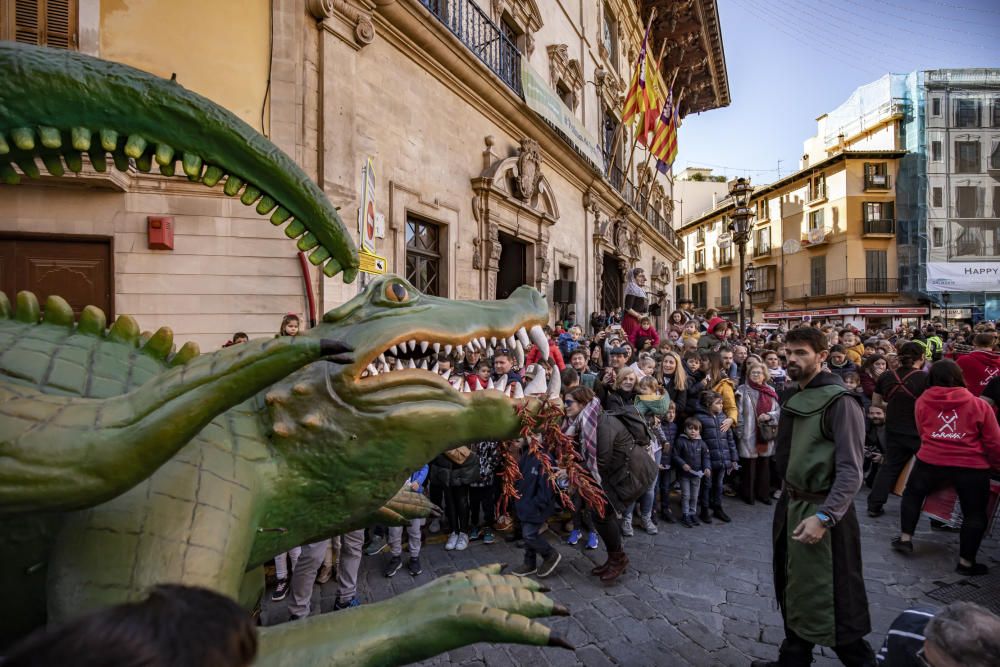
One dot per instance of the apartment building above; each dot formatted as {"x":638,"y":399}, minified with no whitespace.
{"x":960,"y":225}
{"x":489,"y":124}
{"x":823,"y":239}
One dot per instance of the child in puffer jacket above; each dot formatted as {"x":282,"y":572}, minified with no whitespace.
{"x":652,"y":404}
{"x":722,"y":447}
{"x":694,"y":464}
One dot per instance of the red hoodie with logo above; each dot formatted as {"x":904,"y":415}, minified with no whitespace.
{"x":957,"y":429}
{"x":979,"y":367}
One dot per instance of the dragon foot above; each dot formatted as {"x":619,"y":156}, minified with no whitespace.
{"x":463,"y":608}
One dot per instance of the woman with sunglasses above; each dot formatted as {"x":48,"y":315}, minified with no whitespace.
{"x":603,"y":441}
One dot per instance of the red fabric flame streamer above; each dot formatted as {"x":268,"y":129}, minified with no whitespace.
{"x":542,"y":433}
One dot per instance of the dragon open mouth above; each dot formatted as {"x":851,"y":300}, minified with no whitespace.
{"x":414,"y":361}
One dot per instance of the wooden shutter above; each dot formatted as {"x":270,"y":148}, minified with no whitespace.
{"x":46,"y":22}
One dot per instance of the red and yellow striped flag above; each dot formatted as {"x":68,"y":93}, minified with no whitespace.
{"x":644,"y":94}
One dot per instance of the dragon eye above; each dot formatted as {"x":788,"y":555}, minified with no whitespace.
{"x":396,"y":293}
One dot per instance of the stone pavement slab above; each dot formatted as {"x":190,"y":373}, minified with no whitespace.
{"x":700,"y":596}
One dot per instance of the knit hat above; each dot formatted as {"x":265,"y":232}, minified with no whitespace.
{"x":716,"y":321}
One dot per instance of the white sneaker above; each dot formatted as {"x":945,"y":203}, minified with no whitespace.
{"x":627,"y":528}
{"x":452,"y":541}
{"x":463,"y":542}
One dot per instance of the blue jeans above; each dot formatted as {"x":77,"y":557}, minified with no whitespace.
{"x":711,"y":489}
{"x":689,"y":494}
{"x":534,"y":544}
{"x":647,"y":499}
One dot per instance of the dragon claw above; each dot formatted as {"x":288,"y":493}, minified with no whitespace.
{"x":559,"y":642}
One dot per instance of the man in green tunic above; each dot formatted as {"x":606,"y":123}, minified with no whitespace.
{"x":817,"y":543}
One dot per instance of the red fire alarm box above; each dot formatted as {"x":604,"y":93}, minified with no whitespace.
{"x":161,"y":232}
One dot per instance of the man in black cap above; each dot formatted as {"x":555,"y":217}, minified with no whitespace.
{"x":617,"y":359}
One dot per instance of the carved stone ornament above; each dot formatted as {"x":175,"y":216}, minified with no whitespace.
{"x":364,"y":29}
{"x":529,"y":168}
{"x":635,"y":244}
{"x":477,"y":260}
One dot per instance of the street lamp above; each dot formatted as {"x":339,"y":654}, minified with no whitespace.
{"x":741,"y":190}
{"x":749,"y":282}
{"x":946,"y":297}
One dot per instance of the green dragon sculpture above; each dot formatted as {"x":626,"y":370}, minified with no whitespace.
{"x":124,"y":464}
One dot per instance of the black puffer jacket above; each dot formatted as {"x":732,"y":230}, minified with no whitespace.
{"x":445,"y":472}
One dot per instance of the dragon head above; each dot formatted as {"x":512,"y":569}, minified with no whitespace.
{"x":56,"y":105}
{"x":351,"y":434}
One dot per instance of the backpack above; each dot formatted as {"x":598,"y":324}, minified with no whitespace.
{"x":635,"y":477}
{"x":636,"y":425}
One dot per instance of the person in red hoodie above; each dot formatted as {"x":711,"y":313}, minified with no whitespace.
{"x":982,"y":364}
{"x":960,"y":442}
{"x":534,"y":354}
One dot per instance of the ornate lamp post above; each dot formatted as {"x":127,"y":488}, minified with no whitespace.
{"x":946,"y":297}
{"x":749,"y":282}
{"x":741,"y":190}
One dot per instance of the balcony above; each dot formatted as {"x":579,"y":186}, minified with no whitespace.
{"x":816,"y":290}
{"x":724,"y":302}
{"x":699,"y":267}
{"x":878,"y":182}
{"x":876,"y":286}
{"x":726,"y":259}
{"x":816,"y":236}
{"x":640,"y":203}
{"x":763,"y":250}
{"x":880,"y":228}
{"x":474,"y":28}
{"x":762,"y":296}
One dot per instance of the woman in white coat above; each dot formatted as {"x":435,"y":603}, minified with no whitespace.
{"x":759,"y":408}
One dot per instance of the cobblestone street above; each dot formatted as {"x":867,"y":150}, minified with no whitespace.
{"x":699,"y":596}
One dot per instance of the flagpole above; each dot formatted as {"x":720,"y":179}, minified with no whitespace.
{"x":677,"y":106}
{"x":635,"y":139}
{"x":621,"y":126}
{"x":649,"y":152}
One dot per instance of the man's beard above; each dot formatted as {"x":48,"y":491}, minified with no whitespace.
{"x":878,"y":422}
{"x":796,"y":372}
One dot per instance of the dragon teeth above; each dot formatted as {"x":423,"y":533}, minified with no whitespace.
{"x":460,"y":350}
{"x":482,"y":342}
{"x":372,"y":370}
{"x":436,"y":347}
{"x":539,"y":339}
{"x":493,"y":341}
{"x":381,"y":359}
{"x":436,"y":368}
{"x":518,"y":391}
{"x":447,"y":349}
{"x":510,"y":343}
{"x":399,"y":365}
{"x":412,"y":364}
{"x":447,"y":374}
{"x":412,"y":345}
{"x":393,"y":351}
{"x":501,"y":384}
{"x":423,"y":364}
{"x":522,"y":336}
{"x":424,"y":345}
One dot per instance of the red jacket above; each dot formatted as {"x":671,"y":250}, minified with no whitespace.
{"x":957,"y":429}
{"x":649,"y":334}
{"x":555,"y":356}
{"x":979,"y":367}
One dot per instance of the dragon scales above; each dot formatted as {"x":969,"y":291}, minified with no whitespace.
{"x":125,"y":463}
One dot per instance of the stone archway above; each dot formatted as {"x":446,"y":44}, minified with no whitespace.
{"x":513,"y":196}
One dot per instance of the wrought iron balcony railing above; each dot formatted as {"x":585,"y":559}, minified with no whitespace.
{"x":876,"y":286}
{"x":880,"y":227}
{"x":878,"y":182}
{"x":484,"y":38}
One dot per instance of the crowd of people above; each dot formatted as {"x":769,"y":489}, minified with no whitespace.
{"x":704,"y":403}
{"x":674,"y":424}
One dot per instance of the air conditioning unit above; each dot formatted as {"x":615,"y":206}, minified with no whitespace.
{"x":564,"y":291}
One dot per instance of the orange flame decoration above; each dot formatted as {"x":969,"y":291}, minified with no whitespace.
{"x":543,"y":434}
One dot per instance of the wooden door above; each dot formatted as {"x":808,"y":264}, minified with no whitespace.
{"x":79,"y":269}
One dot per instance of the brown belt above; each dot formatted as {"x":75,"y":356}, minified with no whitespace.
{"x":798,"y":494}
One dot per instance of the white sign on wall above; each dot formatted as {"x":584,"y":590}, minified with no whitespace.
{"x":963,"y":276}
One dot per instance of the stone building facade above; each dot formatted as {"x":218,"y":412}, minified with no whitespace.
{"x":478,"y":192}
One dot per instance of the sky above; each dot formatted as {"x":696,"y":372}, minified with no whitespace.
{"x":790,"y":61}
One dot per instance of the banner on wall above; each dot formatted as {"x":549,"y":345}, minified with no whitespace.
{"x":963,"y":276}
{"x":543,"y":100}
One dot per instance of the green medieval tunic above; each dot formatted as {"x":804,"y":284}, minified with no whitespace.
{"x":819,"y":454}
